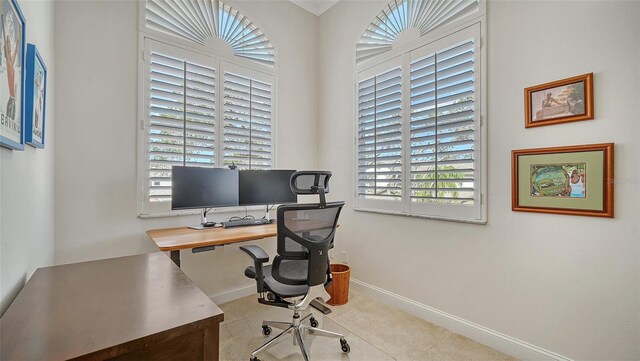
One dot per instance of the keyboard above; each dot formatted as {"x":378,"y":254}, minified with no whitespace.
{"x":245,"y":222}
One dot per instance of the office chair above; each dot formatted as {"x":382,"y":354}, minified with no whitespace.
{"x":300,"y":272}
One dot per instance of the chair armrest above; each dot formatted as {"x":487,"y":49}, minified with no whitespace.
{"x":258,"y":254}
{"x":259,"y":257}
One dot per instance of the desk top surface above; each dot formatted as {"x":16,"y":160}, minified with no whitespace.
{"x":86,"y":308}
{"x":171,"y":239}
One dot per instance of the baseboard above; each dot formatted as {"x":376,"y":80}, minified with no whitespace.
{"x":496,"y":340}
{"x":232,"y":295}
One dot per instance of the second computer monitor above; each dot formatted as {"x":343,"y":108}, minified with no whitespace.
{"x":266,"y":187}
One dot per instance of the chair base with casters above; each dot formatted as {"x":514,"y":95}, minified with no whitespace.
{"x":298,"y":329}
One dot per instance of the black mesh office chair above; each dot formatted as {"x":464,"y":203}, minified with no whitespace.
{"x":300,"y":271}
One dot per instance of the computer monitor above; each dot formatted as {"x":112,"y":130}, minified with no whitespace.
{"x":199,"y":187}
{"x":259,"y":187}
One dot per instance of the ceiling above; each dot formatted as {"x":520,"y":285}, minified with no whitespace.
{"x":316,"y":7}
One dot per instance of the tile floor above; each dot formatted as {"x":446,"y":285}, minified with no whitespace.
{"x":374,"y":331}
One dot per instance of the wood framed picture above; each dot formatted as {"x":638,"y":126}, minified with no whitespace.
{"x":562,"y":101}
{"x":575,"y":180}
{"x":12,"y":72}
{"x":36,"y":96}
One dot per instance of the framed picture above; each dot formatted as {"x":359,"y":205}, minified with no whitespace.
{"x":12,"y":72}
{"x":566,"y":100}
{"x":576,"y":180}
{"x":36,"y":96}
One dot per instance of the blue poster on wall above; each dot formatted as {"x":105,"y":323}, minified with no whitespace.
{"x":35,"y":96}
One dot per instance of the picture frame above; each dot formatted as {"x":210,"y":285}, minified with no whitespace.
{"x":36,"y":98}
{"x":561,"y":101}
{"x":574,"y":180}
{"x":12,"y":74}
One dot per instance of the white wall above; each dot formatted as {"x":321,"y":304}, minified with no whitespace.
{"x":567,"y":284}
{"x":97,"y":53}
{"x":26,"y":179}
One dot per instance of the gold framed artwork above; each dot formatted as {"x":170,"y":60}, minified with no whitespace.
{"x":575,"y":180}
{"x":561,"y":101}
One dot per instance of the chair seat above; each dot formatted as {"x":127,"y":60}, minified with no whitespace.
{"x":287,"y":290}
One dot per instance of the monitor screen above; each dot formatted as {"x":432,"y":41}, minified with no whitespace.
{"x":266,"y":187}
{"x":197,"y":187}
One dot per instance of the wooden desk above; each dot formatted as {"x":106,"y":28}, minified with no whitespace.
{"x":175,"y":239}
{"x":128,"y":308}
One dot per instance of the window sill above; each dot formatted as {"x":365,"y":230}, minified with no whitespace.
{"x":199,"y":212}
{"x":470,"y":221}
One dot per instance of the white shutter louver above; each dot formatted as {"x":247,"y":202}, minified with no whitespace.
{"x":247,"y":122}
{"x":380,"y":136}
{"x":442,"y":126}
{"x":181,"y":119}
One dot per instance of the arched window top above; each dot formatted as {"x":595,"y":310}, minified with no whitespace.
{"x":200,"y":21}
{"x":409,"y":19}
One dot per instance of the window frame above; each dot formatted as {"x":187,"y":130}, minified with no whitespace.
{"x":435,"y":40}
{"x":224,"y":59}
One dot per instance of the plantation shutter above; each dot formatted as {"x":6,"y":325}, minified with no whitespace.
{"x":181,"y":119}
{"x":380,"y":136}
{"x":400,"y":15}
{"x":198,"y":22}
{"x":443,"y":88}
{"x":248,"y":137}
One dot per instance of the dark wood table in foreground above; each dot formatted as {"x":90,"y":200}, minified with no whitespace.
{"x":128,"y":308}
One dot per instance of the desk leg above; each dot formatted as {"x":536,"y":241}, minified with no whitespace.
{"x":175,"y":257}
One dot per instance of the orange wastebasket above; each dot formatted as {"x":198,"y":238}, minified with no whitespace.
{"x":339,"y":288}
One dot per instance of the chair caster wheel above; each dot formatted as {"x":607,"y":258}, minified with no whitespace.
{"x":254,"y":359}
{"x":345,"y":346}
{"x":266,"y":331}
{"x":313,"y":322}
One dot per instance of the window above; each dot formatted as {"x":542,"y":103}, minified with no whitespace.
{"x":419,"y":133}
{"x":202,"y":21}
{"x":206,"y":98}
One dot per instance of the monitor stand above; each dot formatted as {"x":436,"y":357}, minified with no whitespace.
{"x":266,"y":215}
{"x":204,"y":224}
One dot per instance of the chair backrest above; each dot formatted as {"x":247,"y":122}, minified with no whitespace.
{"x":306,"y":230}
